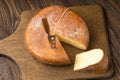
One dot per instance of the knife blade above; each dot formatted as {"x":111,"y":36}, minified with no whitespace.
{"x":51,"y":38}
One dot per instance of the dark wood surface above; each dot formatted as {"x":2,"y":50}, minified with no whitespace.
{"x":10,"y":11}
{"x":38,"y":71}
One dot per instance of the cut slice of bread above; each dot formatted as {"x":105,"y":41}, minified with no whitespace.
{"x":90,"y":61}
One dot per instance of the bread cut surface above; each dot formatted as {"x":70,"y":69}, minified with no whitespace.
{"x":88,"y":58}
{"x":68,"y":27}
{"x":93,"y":61}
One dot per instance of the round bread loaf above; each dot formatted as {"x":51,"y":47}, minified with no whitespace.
{"x":65,"y":24}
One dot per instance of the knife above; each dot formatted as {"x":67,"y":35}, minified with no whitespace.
{"x":51,"y":38}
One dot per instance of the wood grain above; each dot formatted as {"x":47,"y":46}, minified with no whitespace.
{"x":9,"y":70}
{"x":38,"y":71}
{"x":10,"y":11}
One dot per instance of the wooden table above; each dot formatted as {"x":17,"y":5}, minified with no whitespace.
{"x":10,"y":11}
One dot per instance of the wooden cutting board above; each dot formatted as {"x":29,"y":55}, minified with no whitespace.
{"x":14,"y":47}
